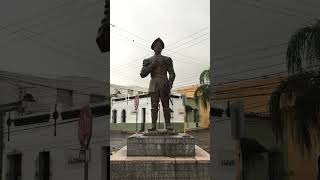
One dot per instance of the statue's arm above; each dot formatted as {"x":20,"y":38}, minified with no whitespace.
{"x":172,"y":74}
{"x":146,"y":68}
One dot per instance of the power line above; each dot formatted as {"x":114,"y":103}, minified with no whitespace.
{"x":251,"y":60}
{"x":186,"y":37}
{"x":244,"y":71}
{"x":167,"y":50}
{"x":85,"y":5}
{"x":246,"y":53}
{"x":244,"y":96}
{"x":179,"y":60}
{"x":249,"y":70}
{"x":24,"y":28}
{"x":251,"y":78}
{"x":189,"y":41}
{"x":251,"y":87}
{"x":43,"y":85}
{"x":249,"y":52}
{"x":46,"y":11}
{"x":261,"y":77}
{"x":115,"y":26}
{"x":271,"y":8}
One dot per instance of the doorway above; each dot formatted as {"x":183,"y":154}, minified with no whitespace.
{"x":14,"y":167}
{"x":143,"y":114}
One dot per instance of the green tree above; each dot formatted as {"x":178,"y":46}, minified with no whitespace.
{"x":297,"y":99}
{"x":203,"y":91}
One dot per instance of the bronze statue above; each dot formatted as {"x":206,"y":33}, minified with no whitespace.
{"x":160,"y":85}
{"x":103,"y":38}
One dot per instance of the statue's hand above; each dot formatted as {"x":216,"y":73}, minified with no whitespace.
{"x":170,"y":85}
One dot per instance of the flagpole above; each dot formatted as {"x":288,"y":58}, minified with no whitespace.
{"x":136,"y":106}
{"x":137,"y":120}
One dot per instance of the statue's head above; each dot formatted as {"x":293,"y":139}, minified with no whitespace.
{"x":157,"y":45}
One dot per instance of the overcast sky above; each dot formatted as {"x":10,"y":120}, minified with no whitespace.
{"x":249,"y":38}
{"x":63,"y":38}
{"x":183,"y":24}
{"x":250,"y":35}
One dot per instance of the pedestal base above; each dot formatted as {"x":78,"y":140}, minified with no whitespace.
{"x":161,"y":145}
{"x":125,"y":167}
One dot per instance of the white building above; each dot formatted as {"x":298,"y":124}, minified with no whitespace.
{"x":118,"y":91}
{"x":123,"y":114}
{"x":31,"y":151}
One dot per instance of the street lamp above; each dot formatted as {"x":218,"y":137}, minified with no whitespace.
{"x":15,"y":106}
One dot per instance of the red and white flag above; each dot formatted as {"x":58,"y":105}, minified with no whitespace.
{"x":85,"y":126}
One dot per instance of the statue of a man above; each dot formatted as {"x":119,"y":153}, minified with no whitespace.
{"x":160,"y":85}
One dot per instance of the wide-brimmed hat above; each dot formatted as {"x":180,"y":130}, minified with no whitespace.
{"x":154,"y":42}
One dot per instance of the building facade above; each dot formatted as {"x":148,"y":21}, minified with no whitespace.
{"x":197,"y":114}
{"x":124,"y":117}
{"x":31,"y":148}
{"x":281,"y":160}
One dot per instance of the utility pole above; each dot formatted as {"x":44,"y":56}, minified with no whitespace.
{"x":1,"y":141}
{"x":237,"y":131}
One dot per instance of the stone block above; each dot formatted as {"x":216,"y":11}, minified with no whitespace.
{"x":125,"y":167}
{"x":173,"y":145}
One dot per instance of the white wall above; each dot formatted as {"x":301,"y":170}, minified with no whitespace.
{"x":178,"y":108}
{"x":31,"y":142}
{"x":223,"y":150}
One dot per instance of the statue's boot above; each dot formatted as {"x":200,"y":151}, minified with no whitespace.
{"x":167,"y":117}
{"x":154,"y":117}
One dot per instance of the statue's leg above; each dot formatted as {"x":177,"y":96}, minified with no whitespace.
{"x":154,"y":109}
{"x":166,"y":110}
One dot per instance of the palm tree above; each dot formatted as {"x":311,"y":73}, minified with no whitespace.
{"x":297,"y":99}
{"x":203,"y":91}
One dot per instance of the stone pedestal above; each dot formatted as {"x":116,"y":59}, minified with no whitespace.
{"x":160,"y":157}
{"x":125,"y":167}
{"x":161,"y":145}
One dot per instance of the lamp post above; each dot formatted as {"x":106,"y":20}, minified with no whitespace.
{"x":55,"y":116}
{"x":7,"y":108}
{"x":14,"y":106}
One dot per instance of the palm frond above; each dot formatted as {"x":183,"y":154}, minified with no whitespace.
{"x":205,"y":77}
{"x":304,"y":46}
{"x":203,"y":93}
{"x":297,"y":101}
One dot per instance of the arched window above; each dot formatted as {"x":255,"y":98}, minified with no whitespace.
{"x":123,"y":116}
{"x":114,"y":116}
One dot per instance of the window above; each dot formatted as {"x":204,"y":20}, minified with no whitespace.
{"x":105,"y":163}
{"x":14,"y":167}
{"x":130,"y":92}
{"x":114,"y":116}
{"x":196,"y":117}
{"x":276,"y":165}
{"x":143,"y":114}
{"x":44,"y":165}
{"x":64,"y":97}
{"x":97,"y":98}
{"x":123,"y":116}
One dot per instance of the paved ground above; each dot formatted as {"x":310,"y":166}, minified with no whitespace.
{"x":202,"y":137}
